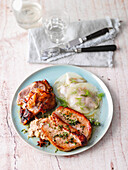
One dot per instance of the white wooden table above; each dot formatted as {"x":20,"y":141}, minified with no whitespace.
{"x":112,"y":151}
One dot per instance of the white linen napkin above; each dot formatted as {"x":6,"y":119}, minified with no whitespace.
{"x":39,"y":41}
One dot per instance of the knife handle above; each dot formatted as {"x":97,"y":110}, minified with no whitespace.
{"x":98,"y":48}
{"x":97,"y":34}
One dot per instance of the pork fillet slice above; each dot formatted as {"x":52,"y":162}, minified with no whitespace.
{"x":62,"y":135}
{"x":43,"y":85}
{"x":39,"y":102}
{"x":35,"y":98}
{"x":76,"y":119}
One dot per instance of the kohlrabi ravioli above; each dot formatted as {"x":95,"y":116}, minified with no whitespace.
{"x":83,"y":97}
{"x":78,"y":93}
{"x":66,"y":81}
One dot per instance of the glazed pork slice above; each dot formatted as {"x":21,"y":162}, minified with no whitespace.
{"x":35,"y":98}
{"x":61,"y":135}
{"x":43,"y":85}
{"x":75,"y":119}
{"x":39,"y":101}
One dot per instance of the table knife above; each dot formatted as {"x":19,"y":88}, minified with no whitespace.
{"x":101,"y":48}
{"x":80,"y":40}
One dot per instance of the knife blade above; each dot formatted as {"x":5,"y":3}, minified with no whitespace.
{"x":80,"y":40}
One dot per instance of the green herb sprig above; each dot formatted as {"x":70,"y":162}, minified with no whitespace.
{"x":24,"y":131}
{"x":62,"y":102}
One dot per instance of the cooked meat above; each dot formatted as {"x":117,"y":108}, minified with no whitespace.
{"x":44,"y":85}
{"x":35,"y":129}
{"x":37,"y":97}
{"x":25,"y":115}
{"x":62,"y":135}
{"x":75,"y":119}
{"x":40,"y":101}
{"x":42,"y":142}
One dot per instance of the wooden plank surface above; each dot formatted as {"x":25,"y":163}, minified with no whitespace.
{"x":111,"y":152}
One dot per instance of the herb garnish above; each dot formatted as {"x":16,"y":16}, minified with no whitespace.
{"x":71,"y":140}
{"x":67,"y":126}
{"x":100,"y":95}
{"x":74,"y":92}
{"x":79,"y":101}
{"x":24,"y":131}
{"x":64,"y":135}
{"x":62,"y":102}
{"x":81,"y":108}
{"x":70,"y":114}
{"x":94,"y":122}
{"x":73,"y":122}
{"x":60,"y":126}
{"x":73,"y":80}
{"x":82,"y":127}
{"x":87,"y":93}
{"x":56,"y":150}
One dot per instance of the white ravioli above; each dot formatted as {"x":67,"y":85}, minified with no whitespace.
{"x":78,"y":93}
{"x":83,"y":98}
{"x":62,"y":84}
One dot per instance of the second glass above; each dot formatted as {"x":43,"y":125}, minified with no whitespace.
{"x":56,"y":23}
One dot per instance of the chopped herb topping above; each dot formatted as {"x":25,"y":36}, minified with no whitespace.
{"x":94,"y":122}
{"x":82,"y":127}
{"x":60,"y":126}
{"x":66,"y":142}
{"x":55,"y":135}
{"x":56,"y":150}
{"x":70,"y":114}
{"x":60,"y":135}
{"x":79,"y":101}
{"x":97,"y":123}
{"x":24,"y":131}
{"x":81,"y":108}
{"x":74,"y":92}
{"x":67,"y":126}
{"x":100,"y":95}
{"x":73,"y":122}
{"x":29,"y":125}
{"x":73,"y":80}
{"x":62,"y":102}
{"x":71,"y":140}
{"x":65,"y":134}
{"x":87,"y":93}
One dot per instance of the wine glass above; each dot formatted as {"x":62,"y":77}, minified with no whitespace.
{"x":28,"y":13}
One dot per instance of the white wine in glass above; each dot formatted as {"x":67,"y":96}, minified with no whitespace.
{"x":28,"y":13}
